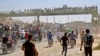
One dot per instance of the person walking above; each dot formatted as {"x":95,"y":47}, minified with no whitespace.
{"x":64,"y":42}
{"x":14,"y":38}
{"x":50,"y":39}
{"x":72,"y":37}
{"x":82,"y":33}
{"x":29,"y":47}
{"x":87,"y":40}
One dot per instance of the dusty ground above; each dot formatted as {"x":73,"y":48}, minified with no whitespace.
{"x":55,"y":50}
{"x":44,"y":50}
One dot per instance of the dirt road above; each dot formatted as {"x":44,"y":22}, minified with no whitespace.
{"x":55,"y":50}
{"x":44,"y":50}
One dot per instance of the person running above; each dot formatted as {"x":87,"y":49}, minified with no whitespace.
{"x":29,"y":47}
{"x":87,"y":40}
{"x":64,"y":42}
{"x":50,"y":39}
{"x":72,"y":36}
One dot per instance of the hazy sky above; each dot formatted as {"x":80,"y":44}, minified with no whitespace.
{"x":8,"y":5}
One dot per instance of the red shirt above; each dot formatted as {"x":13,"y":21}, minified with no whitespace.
{"x":26,"y":35}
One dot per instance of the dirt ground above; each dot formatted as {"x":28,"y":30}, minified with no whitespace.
{"x":55,"y":50}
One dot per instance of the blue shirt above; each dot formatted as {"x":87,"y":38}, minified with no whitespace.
{"x":49,"y":36}
{"x":72,"y":36}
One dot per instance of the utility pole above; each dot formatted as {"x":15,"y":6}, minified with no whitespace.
{"x":78,"y":18}
{"x":35,"y":20}
{"x":54,"y":20}
{"x":38,"y":21}
{"x":78,"y":24}
{"x":54,"y":25}
{"x":47,"y":22}
{"x":47,"y":19}
{"x":68,"y":21}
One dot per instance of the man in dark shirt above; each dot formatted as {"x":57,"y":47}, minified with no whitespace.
{"x":5,"y":40}
{"x":29,"y":47}
{"x":64,"y":41}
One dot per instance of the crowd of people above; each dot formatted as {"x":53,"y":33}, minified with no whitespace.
{"x":69,"y":37}
{"x":86,"y":39}
{"x":11,"y":36}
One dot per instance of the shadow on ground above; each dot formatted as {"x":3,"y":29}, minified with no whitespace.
{"x":70,"y":48}
{"x":47,"y":47}
{"x":4,"y":54}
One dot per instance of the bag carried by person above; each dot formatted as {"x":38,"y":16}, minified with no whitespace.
{"x":88,"y":39}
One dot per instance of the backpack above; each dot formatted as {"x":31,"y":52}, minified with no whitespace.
{"x":88,"y":39}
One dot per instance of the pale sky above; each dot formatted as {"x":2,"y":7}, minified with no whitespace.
{"x":8,"y":5}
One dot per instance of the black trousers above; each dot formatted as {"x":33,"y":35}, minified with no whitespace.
{"x":88,"y":51}
{"x":64,"y":49}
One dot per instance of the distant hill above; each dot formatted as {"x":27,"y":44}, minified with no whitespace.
{"x":10,"y":21}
